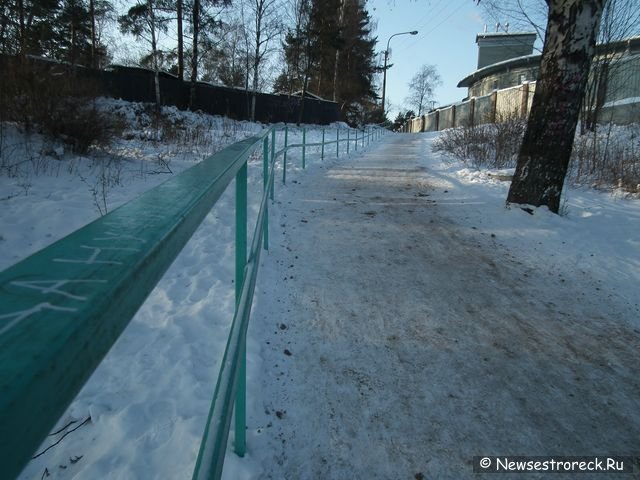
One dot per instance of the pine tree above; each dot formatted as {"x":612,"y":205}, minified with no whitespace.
{"x":74,"y":34}
{"x":333,"y":56}
{"x":146,"y":20}
{"x":29,"y":27}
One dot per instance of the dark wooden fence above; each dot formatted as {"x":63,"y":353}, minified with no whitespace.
{"x":137,"y":85}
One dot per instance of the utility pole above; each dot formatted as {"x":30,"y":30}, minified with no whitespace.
{"x":386,"y":58}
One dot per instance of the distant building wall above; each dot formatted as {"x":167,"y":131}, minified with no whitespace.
{"x":505,"y":79}
{"x":495,"y":47}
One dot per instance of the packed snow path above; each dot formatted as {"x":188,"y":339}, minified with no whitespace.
{"x":402,"y":343}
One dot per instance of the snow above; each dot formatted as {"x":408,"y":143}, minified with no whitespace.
{"x":404,"y":320}
{"x":624,"y":101}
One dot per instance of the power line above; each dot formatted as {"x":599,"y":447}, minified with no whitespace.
{"x":423,"y":36}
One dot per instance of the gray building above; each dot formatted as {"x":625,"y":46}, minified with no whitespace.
{"x":507,"y":60}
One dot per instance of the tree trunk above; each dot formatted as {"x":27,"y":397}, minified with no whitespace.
{"x":260,"y":11}
{"x":92,"y":14}
{"x":23,"y":38}
{"x":546,"y":149}
{"x":337,"y":57}
{"x":154,"y":53}
{"x":180,"y":40}
{"x":194,"y":54}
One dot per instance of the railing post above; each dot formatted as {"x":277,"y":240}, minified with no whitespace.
{"x":356,"y":142}
{"x":284,"y":156}
{"x":322,"y":151}
{"x":347,"y":141}
{"x":273,"y":156}
{"x":265,"y":174}
{"x":304,"y":147}
{"x":338,"y":142}
{"x":241,"y":261}
{"x":363,"y":138}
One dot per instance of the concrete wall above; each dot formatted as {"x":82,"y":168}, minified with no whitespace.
{"x":464,"y":114}
{"x":511,"y":102}
{"x":447,"y":118}
{"x":484,"y":109}
{"x":431,"y":122}
{"x":622,"y":105}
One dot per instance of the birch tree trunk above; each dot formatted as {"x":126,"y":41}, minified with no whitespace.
{"x":195,"y":19}
{"x":569,"y":47}
{"x":260,"y":13}
{"x":154,"y":52}
{"x":180,"y":40}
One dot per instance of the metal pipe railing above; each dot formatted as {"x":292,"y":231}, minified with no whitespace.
{"x":62,"y":308}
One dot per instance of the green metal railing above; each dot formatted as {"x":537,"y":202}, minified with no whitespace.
{"x":62,"y":308}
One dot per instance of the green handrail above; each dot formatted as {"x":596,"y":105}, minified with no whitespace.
{"x":62,"y":308}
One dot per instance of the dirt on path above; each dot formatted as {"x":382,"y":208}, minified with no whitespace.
{"x":407,"y":346}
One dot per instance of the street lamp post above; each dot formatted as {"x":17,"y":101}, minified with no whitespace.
{"x":386,"y":57}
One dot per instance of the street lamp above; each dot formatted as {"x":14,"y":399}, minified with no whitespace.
{"x":386,"y":57}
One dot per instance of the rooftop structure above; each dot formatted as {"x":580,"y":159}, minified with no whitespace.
{"x":500,"y":46}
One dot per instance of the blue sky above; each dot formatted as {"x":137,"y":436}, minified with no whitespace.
{"x":446,"y":38}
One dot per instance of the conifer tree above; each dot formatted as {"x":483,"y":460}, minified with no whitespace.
{"x":337,"y":49}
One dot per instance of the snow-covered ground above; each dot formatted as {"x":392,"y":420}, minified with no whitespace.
{"x":404,"y":322}
{"x":427,"y":324}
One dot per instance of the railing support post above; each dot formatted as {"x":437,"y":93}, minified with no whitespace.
{"x":356,"y":142}
{"x":304,"y":147}
{"x":265,"y":174}
{"x":284,"y":156}
{"x":338,"y":142}
{"x":273,"y":156}
{"x":347,"y":141}
{"x":322,"y":151}
{"x":241,"y":261}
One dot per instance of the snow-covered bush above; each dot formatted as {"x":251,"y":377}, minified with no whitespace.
{"x":609,"y":157}
{"x":489,"y":145}
{"x":42,"y":100}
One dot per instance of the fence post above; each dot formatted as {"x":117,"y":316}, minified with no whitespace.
{"x":524,"y":100}
{"x":284,"y":156}
{"x":304,"y":147}
{"x":338,"y":142}
{"x":494,"y":107}
{"x":241,"y":261}
{"x":363,"y":132}
{"x":356,"y":142}
{"x":322,"y":151}
{"x":265,"y":174}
